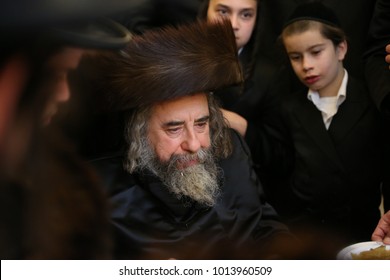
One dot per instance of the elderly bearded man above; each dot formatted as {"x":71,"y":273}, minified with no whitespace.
{"x":187,"y":189}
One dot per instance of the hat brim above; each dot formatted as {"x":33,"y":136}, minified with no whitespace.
{"x":30,"y":14}
{"x":102,"y":33}
{"x":74,"y":21}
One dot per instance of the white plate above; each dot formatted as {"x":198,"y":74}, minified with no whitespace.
{"x":346,"y":253}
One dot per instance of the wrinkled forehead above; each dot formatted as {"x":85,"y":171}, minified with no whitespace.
{"x":182,"y":108}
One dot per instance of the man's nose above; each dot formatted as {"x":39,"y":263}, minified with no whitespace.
{"x":191,"y":141}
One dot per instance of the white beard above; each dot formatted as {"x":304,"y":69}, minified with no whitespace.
{"x":198,"y":182}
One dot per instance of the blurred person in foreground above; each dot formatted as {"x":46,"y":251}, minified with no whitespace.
{"x":185,"y":187}
{"x":51,"y":205}
{"x":387,"y":58}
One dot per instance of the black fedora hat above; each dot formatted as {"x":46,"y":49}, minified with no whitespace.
{"x":78,"y":22}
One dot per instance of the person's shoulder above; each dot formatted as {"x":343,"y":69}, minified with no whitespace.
{"x":358,"y":92}
{"x":357,"y":88}
{"x":353,"y":80}
{"x":238,"y":142}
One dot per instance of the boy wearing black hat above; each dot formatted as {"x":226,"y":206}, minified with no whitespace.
{"x":336,"y":135}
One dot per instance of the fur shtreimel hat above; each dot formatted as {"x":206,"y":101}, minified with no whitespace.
{"x":170,"y":62}
{"x":316,"y":11}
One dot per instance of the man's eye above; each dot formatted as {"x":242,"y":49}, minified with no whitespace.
{"x":201,"y":125}
{"x":174,"y":130}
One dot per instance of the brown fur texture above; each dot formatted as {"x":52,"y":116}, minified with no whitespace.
{"x":170,"y":62}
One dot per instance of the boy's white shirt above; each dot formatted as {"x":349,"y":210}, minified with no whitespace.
{"x":329,"y":105}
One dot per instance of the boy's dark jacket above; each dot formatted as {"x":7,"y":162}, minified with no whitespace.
{"x":337,"y":173}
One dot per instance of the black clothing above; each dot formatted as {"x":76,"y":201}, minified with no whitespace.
{"x":55,"y":208}
{"x":150,"y":223}
{"x":258,"y":101}
{"x":337,"y":173}
{"x":377,"y":70}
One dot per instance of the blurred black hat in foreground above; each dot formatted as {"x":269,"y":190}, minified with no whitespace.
{"x":81,"y":23}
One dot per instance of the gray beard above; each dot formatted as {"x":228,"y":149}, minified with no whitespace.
{"x":198,"y":182}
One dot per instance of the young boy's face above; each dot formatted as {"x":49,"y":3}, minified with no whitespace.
{"x":316,"y":61}
{"x":242,"y":15}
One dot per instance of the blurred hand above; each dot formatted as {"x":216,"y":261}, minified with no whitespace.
{"x":388,"y":54}
{"x":382,"y":230}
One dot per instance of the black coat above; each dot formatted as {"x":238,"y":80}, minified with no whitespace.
{"x":149,"y":222}
{"x":377,"y":70}
{"x":336,"y":173}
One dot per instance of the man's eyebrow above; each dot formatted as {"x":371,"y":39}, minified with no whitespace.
{"x":177,"y":123}
{"x":173,"y":123}
{"x":203,"y":119}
